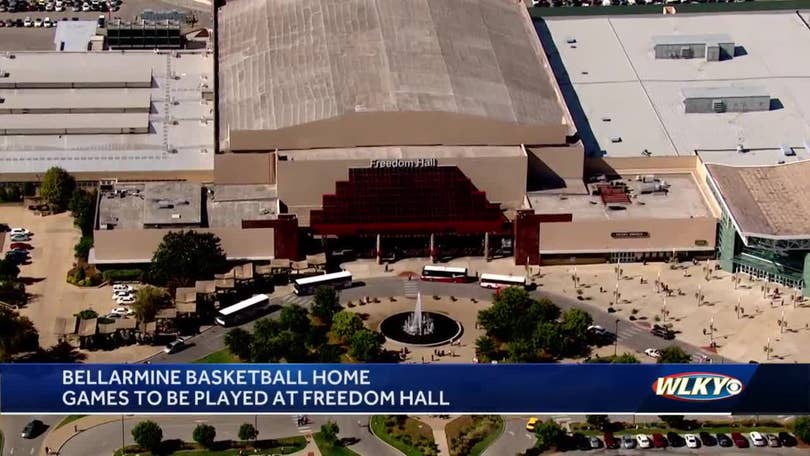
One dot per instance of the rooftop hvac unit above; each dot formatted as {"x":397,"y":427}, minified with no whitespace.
{"x":740,"y":149}
{"x":648,"y":178}
{"x":165,"y":205}
{"x":787,"y":150}
{"x":176,"y":216}
{"x":718,"y":106}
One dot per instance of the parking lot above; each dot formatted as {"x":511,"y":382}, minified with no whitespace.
{"x":41,"y":38}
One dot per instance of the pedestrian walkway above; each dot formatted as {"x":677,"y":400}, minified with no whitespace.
{"x":411,"y":288}
{"x":437,"y":425}
{"x":56,"y":438}
{"x":310,"y":450}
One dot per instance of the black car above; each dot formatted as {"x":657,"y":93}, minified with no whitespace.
{"x":16,"y":257}
{"x":32,"y":429}
{"x":581,"y":442}
{"x":723,"y":440}
{"x":675,"y":439}
{"x":662,"y":332}
{"x":786,"y":439}
{"x":707,"y":439}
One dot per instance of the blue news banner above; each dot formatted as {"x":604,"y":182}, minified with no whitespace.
{"x":392,"y":388}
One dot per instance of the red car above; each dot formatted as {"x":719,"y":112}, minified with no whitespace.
{"x":610,"y":441}
{"x":739,"y":440}
{"x":659,"y":441}
{"x":20,"y":245}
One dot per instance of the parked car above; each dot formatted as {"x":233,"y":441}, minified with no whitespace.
{"x":758,"y":439}
{"x":20,"y":230}
{"x":581,"y":442}
{"x":659,"y":441}
{"x":21,"y":237}
{"x":786,"y":439}
{"x":662,"y":332}
{"x":128,"y":299}
{"x":38,"y":22}
{"x":531,"y":424}
{"x":16,"y":258}
{"x":707,"y":439}
{"x":628,"y":441}
{"x":174,"y":347}
{"x":691,"y":441}
{"x":773,"y":441}
{"x":595,"y":442}
{"x":643,"y":441}
{"x":20,"y":245}
{"x":724,"y":441}
{"x":610,"y":441}
{"x":122,"y":311}
{"x":32,"y":429}
{"x":85,"y":7}
{"x":4,"y":228}
{"x":47,"y":22}
{"x":739,"y":440}
{"x":123,"y":287}
{"x":121,"y":293}
{"x":653,"y":352}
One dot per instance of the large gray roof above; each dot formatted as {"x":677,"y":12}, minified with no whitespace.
{"x":288,"y":62}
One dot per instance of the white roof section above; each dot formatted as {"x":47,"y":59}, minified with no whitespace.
{"x":75,"y":35}
{"x":65,"y":124}
{"x":725,"y":92}
{"x":324,"y":278}
{"x":503,"y":278}
{"x":242,"y":305}
{"x":707,"y":39}
{"x":625,"y":92}
{"x":178,"y":121}
{"x":445,"y":269}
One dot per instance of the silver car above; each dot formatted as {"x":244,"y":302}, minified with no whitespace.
{"x":628,"y":441}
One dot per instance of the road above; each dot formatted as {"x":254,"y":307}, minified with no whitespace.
{"x":12,"y":426}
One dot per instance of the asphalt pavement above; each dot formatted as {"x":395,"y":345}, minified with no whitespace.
{"x":14,"y":444}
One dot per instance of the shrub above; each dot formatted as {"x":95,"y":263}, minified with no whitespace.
{"x":247,"y":432}
{"x":87,"y":314}
{"x":122,"y":275}
{"x":82,"y":248}
{"x":204,"y":434}
{"x":148,"y":435}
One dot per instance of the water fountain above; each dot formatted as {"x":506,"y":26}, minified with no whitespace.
{"x":419,"y":328}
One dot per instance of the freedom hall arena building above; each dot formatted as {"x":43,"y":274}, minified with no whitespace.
{"x":399,"y":128}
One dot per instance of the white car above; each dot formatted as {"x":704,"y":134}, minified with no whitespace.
{"x":691,"y":440}
{"x":48,"y":23}
{"x":49,"y":6}
{"x":596,"y":329}
{"x":21,"y":231}
{"x":123,"y":287}
{"x":758,"y":439}
{"x":37,"y":22}
{"x":122,"y":311}
{"x":653,"y":352}
{"x":26,"y":23}
{"x":120,"y":293}
{"x":85,"y":7}
{"x":643,"y":441}
{"x":21,"y":237}
{"x":129,"y":299}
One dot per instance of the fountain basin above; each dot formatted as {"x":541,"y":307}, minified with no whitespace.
{"x":445,"y":329}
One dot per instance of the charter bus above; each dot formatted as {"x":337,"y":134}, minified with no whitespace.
{"x":497,"y":281}
{"x":243,"y":310}
{"x":444,"y":274}
{"x":336,"y":280}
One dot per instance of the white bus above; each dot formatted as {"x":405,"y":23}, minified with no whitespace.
{"x":497,"y":281}
{"x":336,"y":280}
{"x":242,"y":310}
{"x":444,"y":274}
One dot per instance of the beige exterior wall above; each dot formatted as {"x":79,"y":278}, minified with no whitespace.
{"x":565,"y":161}
{"x":304,"y":182}
{"x":140,"y":176}
{"x":631,"y":165}
{"x":594,"y":236}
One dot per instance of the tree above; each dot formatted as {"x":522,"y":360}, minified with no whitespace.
{"x":294,"y":318}
{"x":8,"y":270}
{"x":238,"y":342}
{"x":365,"y":345}
{"x":148,"y":435}
{"x":329,"y":432}
{"x":549,"y":434}
{"x":82,"y":248}
{"x":673,"y":421}
{"x":522,"y":351}
{"x":801,"y":427}
{"x":28,"y":189}
{"x":345,"y":324}
{"x":204,"y":434}
{"x":62,"y":352}
{"x":486,"y":349}
{"x":17,"y":334}
{"x":265,"y":347}
{"x":674,"y":354}
{"x":148,"y":301}
{"x":186,"y":256}
{"x":82,"y":205}
{"x":625,"y":358}
{"x":325,"y":304}
{"x":507,"y":318}
{"x":248,"y":432}
{"x":57,"y":188}
{"x":600,"y":422}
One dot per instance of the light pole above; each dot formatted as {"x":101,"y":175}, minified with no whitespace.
{"x":616,"y":340}
{"x":122,"y":434}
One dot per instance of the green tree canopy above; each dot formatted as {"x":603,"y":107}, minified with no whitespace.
{"x":366,"y":345}
{"x":205,"y":435}
{"x":265,"y":347}
{"x":486,"y":349}
{"x":345,"y":324}
{"x":514,"y":314}
{"x":148,"y":435}
{"x":186,"y":256}
{"x":82,"y":248}
{"x":8,"y":270}
{"x":624,"y":358}
{"x":674,"y":354}
{"x":82,"y":205}
{"x":801,"y":427}
{"x":549,"y":434}
{"x":325,"y":304}
{"x":148,"y":301}
{"x":248,"y":432}
{"x":238,"y":342}
{"x":294,"y":318}
{"x":673,"y":421}
{"x":597,"y":421}
{"x":329,"y":432}
{"x":57,"y":188}
{"x":17,"y":334}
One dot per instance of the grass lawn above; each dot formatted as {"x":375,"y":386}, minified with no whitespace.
{"x":223,"y":356}
{"x":479,"y":430}
{"x":329,"y":450}
{"x":271,"y":446}
{"x":69,"y":419}
{"x":412,"y":439}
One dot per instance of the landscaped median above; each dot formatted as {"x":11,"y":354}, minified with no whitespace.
{"x":406,"y":434}
{"x":329,"y":449}
{"x":471,"y":435}
{"x":287,"y":445}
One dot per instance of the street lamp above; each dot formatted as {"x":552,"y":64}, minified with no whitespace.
{"x":616,"y":340}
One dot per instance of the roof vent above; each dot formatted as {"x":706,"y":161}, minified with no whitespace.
{"x":176,"y":216}
{"x":788,"y":151}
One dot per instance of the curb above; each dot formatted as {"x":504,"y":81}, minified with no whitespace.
{"x":62,"y":445}
{"x":371,"y":430}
